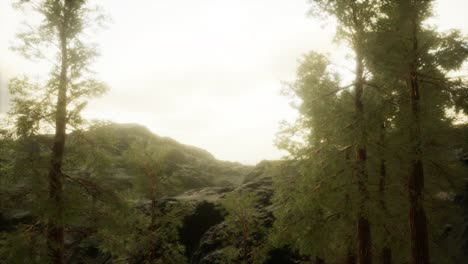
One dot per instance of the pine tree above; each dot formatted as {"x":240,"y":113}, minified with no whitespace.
{"x":244,"y":229}
{"x":320,"y":142}
{"x":156,"y":226}
{"x":61,"y":98}
{"x":354,"y":20}
{"x":415,"y":60}
{"x":315,"y":209}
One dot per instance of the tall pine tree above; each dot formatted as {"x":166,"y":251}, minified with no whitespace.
{"x":60,"y":99}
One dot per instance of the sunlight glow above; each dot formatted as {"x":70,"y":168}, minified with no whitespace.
{"x":206,"y":73}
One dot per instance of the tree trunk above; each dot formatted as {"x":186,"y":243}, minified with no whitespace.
{"x":417,"y":214}
{"x":153,"y":250}
{"x":319,"y":260}
{"x":153,"y":246}
{"x":383,"y":171}
{"x":418,"y":221}
{"x":364,"y":248}
{"x":364,"y":241}
{"x":386,"y":254}
{"x":363,"y":229}
{"x":351,"y":259}
{"x":55,"y":226}
{"x":245,"y":242}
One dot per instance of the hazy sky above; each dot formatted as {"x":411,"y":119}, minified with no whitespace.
{"x":206,"y":73}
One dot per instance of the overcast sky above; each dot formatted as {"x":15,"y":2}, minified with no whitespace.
{"x":206,"y":73}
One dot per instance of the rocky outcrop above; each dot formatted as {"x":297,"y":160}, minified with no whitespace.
{"x":202,"y":233}
{"x":205,"y":240}
{"x":204,"y":181}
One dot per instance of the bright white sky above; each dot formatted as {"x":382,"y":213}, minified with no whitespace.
{"x":206,"y":73}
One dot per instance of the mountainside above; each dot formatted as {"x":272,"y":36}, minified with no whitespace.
{"x":99,"y":162}
{"x":197,"y":185}
{"x":205,"y":182}
{"x":190,"y":166}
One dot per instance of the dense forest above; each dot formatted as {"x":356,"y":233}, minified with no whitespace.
{"x":376,"y":170}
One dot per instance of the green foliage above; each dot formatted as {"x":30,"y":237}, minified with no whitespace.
{"x":312,"y":205}
{"x":33,"y":103}
{"x":245,"y":229}
{"x":117,"y":177}
{"x":315,"y":209}
{"x":103,"y":211}
{"x":146,"y":236}
{"x":58,"y":40}
{"x":24,"y":245}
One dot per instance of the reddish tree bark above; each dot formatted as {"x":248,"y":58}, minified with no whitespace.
{"x":386,"y":254}
{"x":351,"y":259}
{"x":364,"y":248}
{"x":319,"y":260}
{"x":417,"y":214}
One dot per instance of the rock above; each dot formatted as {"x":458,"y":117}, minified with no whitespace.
{"x":196,"y":225}
{"x":203,"y":180}
{"x":210,"y":246}
{"x":202,"y":232}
